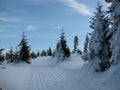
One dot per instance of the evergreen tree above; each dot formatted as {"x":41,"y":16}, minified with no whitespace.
{"x":43,"y":53}
{"x":86,"y":44}
{"x":49,"y":52}
{"x":75,"y":44}
{"x":38,"y":53}
{"x":62,"y":51}
{"x":79,"y":52}
{"x":98,"y":46}
{"x":33,"y":55}
{"x":1,"y":56}
{"x":17,"y":55}
{"x":114,"y":31}
{"x":56,"y":51}
{"x":11,"y":55}
{"x":24,"y":49}
{"x":67,"y":51}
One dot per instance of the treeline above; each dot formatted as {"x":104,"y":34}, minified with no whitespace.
{"x":22,"y":52}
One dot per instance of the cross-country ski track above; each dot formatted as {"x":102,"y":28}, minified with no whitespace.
{"x":45,"y":74}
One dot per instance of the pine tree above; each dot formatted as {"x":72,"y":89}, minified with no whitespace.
{"x":49,"y":52}
{"x":11,"y":55}
{"x":43,"y":53}
{"x":75,"y":44}
{"x":33,"y":55}
{"x":98,"y":45}
{"x":56,"y":51}
{"x":114,"y":32}
{"x":17,"y":55}
{"x":1,"y":56}
{"x":62,"y":51}
{"x":86,"y":44}
{"x":24,"y":49}
{"x":38,"y":53}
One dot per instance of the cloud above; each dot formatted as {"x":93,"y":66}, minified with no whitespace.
{"x":6,"y":19}
{"x":81,"y":8}
{"x":33,"y":27}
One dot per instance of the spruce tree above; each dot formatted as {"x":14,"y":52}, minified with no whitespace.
{"x":17,"y":55}
{"x":49,"y":52}
{"x":24,"y":49}
{"x":11,"y":55}
{"x":98,"y":45}
{"x":86,"y":44}
{"x":75,"y":44}
{"x":33,"y":55}
{"x":38,"y":53}
{"x":114,"y":31}
{"x":62,"y":51}
{"x":43,"y":53}
{"x":1,"y":56}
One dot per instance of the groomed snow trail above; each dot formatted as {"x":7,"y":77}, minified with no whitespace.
{"x":42,"y":74}
{"x":47,"y":76}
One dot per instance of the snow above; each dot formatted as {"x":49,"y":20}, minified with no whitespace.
{"x":45,"y":74}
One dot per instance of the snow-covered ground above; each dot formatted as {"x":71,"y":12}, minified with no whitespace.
{"x":45,"y":74}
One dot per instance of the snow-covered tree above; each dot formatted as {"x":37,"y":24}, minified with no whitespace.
{"x":49,"y":52}
{"x":98,"y":48}
{"x":17,"y":55}
{"x":114,"y":32}
{"x":11,"y":55}
{"x":38,"y":53}
{"x":62,"y":51}
{"x":33,"y":55}
{"x":75,"y":44}
{"x":24,"y":49}
{"x":1,"y":56}
{"x":43,"y":53}
{"x":86,"y":44}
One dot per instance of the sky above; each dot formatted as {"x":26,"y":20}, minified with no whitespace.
{"x":43,"y":20}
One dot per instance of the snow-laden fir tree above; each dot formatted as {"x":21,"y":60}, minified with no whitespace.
{"x":1,"y":56}
{"x":86,"y":44}
{"x":17,"y":55}
{"x":75,"y":44}
{"x":24,"y":50}
{"x":62,"y":51}
{"x":43,"y":53}
{"x":49,"y":52}
{"x":33,"y":55}
{"x":98,"y":48}
{"x":11,"y":56}
{"x":114,"y":31}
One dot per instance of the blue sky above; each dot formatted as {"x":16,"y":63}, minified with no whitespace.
{"x":42,"y":21}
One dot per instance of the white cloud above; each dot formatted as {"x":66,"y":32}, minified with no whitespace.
{"x":32,"y":28}
{"x":5,"y":19}
{"x":81,"y":8}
